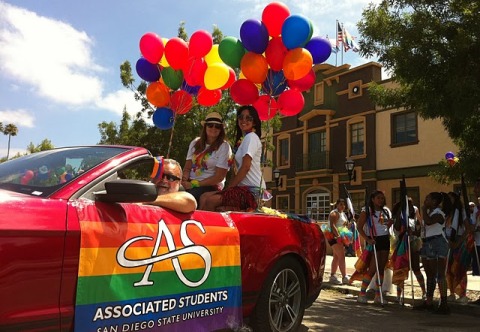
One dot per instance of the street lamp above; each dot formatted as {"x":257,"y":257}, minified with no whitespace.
{"x":350,"y":167}
{"x":276,"y":175}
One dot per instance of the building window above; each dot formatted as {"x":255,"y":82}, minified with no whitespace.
{"x":319,"y":94}
{"x":283,"y":150}
{"x":358,"y":201}
{"x":404,"y":128}
{"x":413,"y":192}
{"x":318,"y":206}
{"x":317,"y":147}
{"x":357,"y":139}
{"x":283,"y":203}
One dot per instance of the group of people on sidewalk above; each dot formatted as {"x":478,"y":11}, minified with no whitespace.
{"x":440,"y":235}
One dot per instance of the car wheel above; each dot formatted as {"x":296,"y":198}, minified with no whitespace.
{"x":281,"y":304}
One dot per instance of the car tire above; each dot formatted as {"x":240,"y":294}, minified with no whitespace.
{"x":281,"y":304}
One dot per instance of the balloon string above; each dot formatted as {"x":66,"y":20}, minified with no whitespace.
{"x":171,"y":135}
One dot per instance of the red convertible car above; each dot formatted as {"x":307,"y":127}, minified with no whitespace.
{"x":81,"y":249}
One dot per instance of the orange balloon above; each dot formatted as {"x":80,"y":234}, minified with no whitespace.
{"x":297,"y":63}
{"x":255,"y":67}
{"x":158,"y":94}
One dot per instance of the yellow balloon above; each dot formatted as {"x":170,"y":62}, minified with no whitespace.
{"x":213,"y":56}
{"x":216,"y":76}
{"x":163,"y":61}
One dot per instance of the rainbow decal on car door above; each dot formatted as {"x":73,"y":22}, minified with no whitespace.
{"x":168,"y":275}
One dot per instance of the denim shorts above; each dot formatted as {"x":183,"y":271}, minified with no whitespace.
{"x":434,"y":247}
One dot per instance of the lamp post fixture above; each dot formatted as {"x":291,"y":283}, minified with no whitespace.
{"x":276,"y":176}
{"x":349,"y":166}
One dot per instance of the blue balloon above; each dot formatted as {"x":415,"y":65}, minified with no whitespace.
{"x":254,"y":36}
{"x":147,"y":71}
{"x":319,"y":48}
{"x":163,"y":118}
{"x":275,"y":83}
{"x":296,"y":31}
{"x":192,"y":90}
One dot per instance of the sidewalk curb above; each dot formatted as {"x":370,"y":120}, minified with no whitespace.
{"x":469,"y":309}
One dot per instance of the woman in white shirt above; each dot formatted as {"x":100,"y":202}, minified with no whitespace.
{"x":436,"y":208}
{"x":208,"y":159}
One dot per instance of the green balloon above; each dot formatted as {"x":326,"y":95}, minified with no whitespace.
{"x":172,"y":78}
{"x":231,"y":51}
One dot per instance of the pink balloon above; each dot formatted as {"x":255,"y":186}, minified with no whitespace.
{"x":266,"y":107}
{"x":208,"y":97}
{"x":151,"y":47}
{"x":290,"y":102}
{"x":181,"y":102}
{"x":275,"y":53}
{"x":200,"y":43}
{"x":194,"y":72}
{"x":176,"y":53}
{"x":304,"y":83}
{"x":273,"y":16}
{"x":25,"y":179}
{"x":244,"y":92}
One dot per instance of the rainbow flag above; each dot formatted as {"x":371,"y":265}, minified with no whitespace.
{"x":160,"y":274}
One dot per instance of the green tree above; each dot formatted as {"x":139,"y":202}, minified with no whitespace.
{"x":431,"y":49}
{"x":10,"y":130}
{"x":45,"y":145}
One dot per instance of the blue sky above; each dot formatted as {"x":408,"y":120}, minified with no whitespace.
{"x":60,"y":59}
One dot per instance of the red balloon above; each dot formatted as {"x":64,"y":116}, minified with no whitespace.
{"x":290,"y":102}
{"x":304,"y":83}
{"x":208,"y":97}
{"x":151,"y":47}
{"x":244,"y":92}
{"x":25,"y":179}
{"x":194,"y":72}
{"x":181,"y":102}
{"x":273,"y":16}
{"x":266,"y":107}
{"x":275,"y":53}
{"x":231,"y":79}
{"x":200,"y":43}
{"x":176,"y":53}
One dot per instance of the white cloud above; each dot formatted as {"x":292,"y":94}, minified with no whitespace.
{"x":118,"y":100}
{"x":50,"y":56}
{"x":20,"y":118}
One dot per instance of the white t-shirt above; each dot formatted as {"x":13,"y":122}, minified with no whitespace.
{"x":436,"y":228}
{"x":379,"y":222}
{"x":252,"y":146}
{"x":342,"y":218}
{"x":219,"y":158}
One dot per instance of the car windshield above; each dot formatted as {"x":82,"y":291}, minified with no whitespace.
{"x":44,"y":172}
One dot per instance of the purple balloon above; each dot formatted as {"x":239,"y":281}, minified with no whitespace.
{"x":163,"y":118}
{"x":192,"y":90}
{"x":320,"y":49}
{"x":254,"y":36}
{"x":147,"y":71}
{"x":449,"y":155}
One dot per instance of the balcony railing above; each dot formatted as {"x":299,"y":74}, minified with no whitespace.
{"x":313,"y":161}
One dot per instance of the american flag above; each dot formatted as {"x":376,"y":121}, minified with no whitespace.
{"x":340,"y":36}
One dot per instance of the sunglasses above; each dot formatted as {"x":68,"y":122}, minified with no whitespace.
{"x":170,"y":177}
{"x":245,"y":118}
{"x":214,"y":125}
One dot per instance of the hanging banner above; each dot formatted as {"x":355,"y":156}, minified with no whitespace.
{"x":161,"y":274}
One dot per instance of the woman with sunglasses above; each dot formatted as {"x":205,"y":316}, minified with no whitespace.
{"x":247,"y":185}
{"x":208,"y":159}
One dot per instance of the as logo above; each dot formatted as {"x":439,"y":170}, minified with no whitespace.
{"x":173,"y":254}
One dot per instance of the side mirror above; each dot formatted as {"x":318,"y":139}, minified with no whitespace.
{"x":128,"y":191}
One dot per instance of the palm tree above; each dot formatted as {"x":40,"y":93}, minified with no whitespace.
{"x":10,"y":130}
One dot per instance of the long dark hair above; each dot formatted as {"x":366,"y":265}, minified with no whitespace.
{"x":257,"y":124}
{"x":442,"y":200}
{"x":201,"y":144}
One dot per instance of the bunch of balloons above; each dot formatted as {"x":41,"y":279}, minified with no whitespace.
{"x":451,"y":159}
{"x":274,"y":60}
{"x":277,"y":64}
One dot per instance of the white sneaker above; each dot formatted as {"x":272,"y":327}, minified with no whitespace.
{"x":362,"y":298}
{"x":334,"y":280}
{"x":346,"y":280}
{"x":451,"y":297}
{"x":462,"y":300}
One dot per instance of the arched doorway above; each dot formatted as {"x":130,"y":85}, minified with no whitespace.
{"x":317,"y":205}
